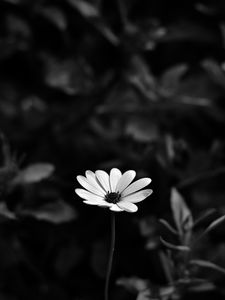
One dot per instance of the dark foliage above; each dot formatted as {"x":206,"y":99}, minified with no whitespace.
{"x":95,"y":85}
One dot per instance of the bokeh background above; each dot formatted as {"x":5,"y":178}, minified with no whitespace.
{"x":94,"y":85}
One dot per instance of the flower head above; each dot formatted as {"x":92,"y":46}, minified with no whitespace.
{"x":115,"y":191}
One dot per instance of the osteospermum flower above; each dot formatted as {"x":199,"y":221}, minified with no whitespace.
{"x":115,"y":191}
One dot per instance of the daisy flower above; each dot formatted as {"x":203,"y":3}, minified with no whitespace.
{"x":115,"y":190}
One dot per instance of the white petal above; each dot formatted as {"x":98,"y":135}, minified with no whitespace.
{"x":103,"y":204}
{"x":93,"y":180}
{"x":115,"y":207}
{"x":138,"y":196}
{"x":136,"y":186}
{"x":125,"y":180}
{"x":114,"y":177}
{"x":89,"y":196}
{"x":85,"y":183}
{"x":90,"y":202}
{"x":103,"y":178}
{"x":127,"y":206}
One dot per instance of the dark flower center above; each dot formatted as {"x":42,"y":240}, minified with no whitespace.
{"x":112,"y":197}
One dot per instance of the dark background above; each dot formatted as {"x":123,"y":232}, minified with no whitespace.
{"x":95,"y":85}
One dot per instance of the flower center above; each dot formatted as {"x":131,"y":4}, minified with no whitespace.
{"x":112,"y":197}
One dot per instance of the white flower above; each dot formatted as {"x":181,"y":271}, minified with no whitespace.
{"x":114,"y":191}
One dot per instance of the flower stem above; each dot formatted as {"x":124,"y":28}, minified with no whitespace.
{"x":112,"y":247}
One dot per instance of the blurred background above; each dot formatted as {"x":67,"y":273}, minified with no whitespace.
{"x":95,"y":85}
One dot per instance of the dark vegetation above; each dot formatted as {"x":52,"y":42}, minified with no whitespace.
{"x":100,"y":84}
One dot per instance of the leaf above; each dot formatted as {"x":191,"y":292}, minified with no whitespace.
{"x":55,"y":16}
{"x":34,"y":173}
{"x":162,"y":293}
{"x":174,"y":247}
{"x":214,"y":224}
{"x":171,"y":78}
{"x":5,"y":212}
{"x":181,"y":213}
{"x":86,"y":9}
{"x":215,"y":71}
{"x":167,"y":265}
{"x":207,"y":264}
{"x":168,"y":226}
{"x":166,"y":291}
{"x":204,"y":216}
{"x":142,"y":130}
{"x":133,"y":283}
{"x":56,"y":212}
{"x":144,"y":295}
{"x":202,"y":287}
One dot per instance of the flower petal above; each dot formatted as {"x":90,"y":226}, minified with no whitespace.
{"x":125,"y":180}
{"x":136,"y":186}
{"x":85,"y":183}
{"x":103,"y":178}
{"x":93,"y":180}
{"x":116,"y":208}
{"x":89,"y":196}
{"x":114,"y":177}
{"x":90,"y":202}
{"x":138,"y":196}
{"x":127,"y":206}
{"x":103,"y":204}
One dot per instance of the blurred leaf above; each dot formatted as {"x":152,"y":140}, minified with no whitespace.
{"x":181,"y":213}
{"x":161,"y":293}
{"x":17,"y":27}
{"x":174,"y":247}
{"x":144,"y":295}
{"x":71,"y":76}
{"x":204,"y":216}
{"x":87,"y":9}
{"x":167,"y":265}
{"x":206,"y":9}
{"x":207,"y":264}
{"x":202,"y":287}
{"x":133,"y":284}
{"x":92,"y":14}
{"x":171,"y":77}
{"x":142,"y":129}
{"x":55,"y":16}
{"x":56,"y":212}
{"x":5,"y":212}
{"x":214,"y":224}
{"x":34,"y":173}
{"x":141,"y":77}
{"x":186,"y":30}
{"x":10,"y":168}
{"x":215,"y":71}
{"x":107,"y":33}
{"x":168,"y":226}
{"x":143,"y":35}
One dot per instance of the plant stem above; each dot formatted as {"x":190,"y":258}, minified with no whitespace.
{"x":112,"y":247}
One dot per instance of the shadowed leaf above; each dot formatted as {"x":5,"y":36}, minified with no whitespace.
{"x":5,"y":212}
{"x":207,"y":264}
{"x":174,"y":247}
{"x":181,"y":213}
{"x":168,"y":226}
{"x":214,"y":224}
{"x":34,"y":173}
{"x":56,"y":212}
{"x":133,"y":283}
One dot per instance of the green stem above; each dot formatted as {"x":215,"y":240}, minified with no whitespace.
{"x":112,"y":247}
